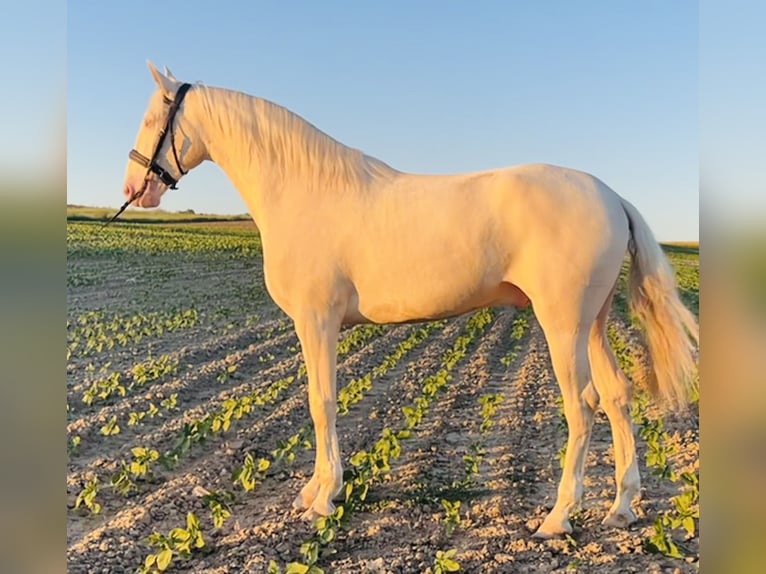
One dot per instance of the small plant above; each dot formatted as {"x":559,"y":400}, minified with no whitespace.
{"x":657,"y":451}
{"x":682,"y":516}
{"x":413,"y":415}
{"x":169,"y":404}
{"x":248,"y":473}
{"x":140,"y":467}
{"x":104,"y":389}
{"x":310,"y":553}
{"x":121,"y":481}
{"x":179,"y":543}
{"x":661,"y":542}
{"x":135,"y":417}
{"x":153,"y":370}
{"x":451,"y":515}
{"x":111,"y":428}
{"x":72,"y":445}
{"x":444,"y":562}
{"x":471,"y":463}
{"x":328,"y":526}
{"x":218,"y":501}
{"x":87,"y":497}
{"x":326,"y":531}
{"x":285,"y":450}
{"x":226,"y":374}
{"x":488,"y":409}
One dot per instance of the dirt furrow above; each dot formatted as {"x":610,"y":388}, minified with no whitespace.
{"x":200,"y":393}
{"x":401,"y":526}
{"x":211,"y":464}
{"x":431,"y":462}
{"x":267,"y":528}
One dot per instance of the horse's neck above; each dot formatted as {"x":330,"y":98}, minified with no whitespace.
{"x":267,"y":151}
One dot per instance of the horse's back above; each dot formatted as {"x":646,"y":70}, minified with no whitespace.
{"x":431,"y":245}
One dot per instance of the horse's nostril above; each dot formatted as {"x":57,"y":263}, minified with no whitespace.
{"x":127,"y":192}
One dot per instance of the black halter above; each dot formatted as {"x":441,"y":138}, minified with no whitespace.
{"x":151,"y":165}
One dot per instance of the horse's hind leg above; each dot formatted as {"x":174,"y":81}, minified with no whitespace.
{"x":566,"y":330}
{"x":614,"y":390}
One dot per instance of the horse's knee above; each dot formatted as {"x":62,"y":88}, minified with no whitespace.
{"x":590,"y":396}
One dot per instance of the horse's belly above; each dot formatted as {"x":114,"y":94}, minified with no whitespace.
{"x":416,"y":305}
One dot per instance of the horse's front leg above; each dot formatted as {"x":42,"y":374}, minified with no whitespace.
{"x":319,"y":340}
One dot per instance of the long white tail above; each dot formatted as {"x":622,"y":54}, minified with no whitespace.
{"x":671,"y":330}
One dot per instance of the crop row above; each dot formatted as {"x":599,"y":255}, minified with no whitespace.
{"x":253,"y":471}
{"x":353,"y":392}
{"x":94,"y":331}
{"x":92,"y":240}
{"x":684,"y":510}
{"x":368,"y":467}
{"x":109,"y":385}
{"x":200,"y":429}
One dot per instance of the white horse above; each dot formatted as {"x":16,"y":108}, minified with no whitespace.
{"x":348,"y":239}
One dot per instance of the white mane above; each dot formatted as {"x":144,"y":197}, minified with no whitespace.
{"x":280,"y":140}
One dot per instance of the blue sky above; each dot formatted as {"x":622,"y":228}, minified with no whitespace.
{"x":429,"y":87}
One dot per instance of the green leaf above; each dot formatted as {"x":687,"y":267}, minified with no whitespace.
{"x":358,"y":458}
{"x":163,"y":559}
{"x":450,"y":553}
{"x":327,"y":535}
{"x":192,"y":521}
{"x":199,"y":541}
{"x":310,"y":550}
{"x":180,"y":534}
{"x":296,"y":568}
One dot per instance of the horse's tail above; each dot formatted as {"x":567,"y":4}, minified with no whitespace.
{"x":671,"y":330}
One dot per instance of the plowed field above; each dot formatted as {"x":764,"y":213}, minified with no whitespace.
{"x":181,"y":372}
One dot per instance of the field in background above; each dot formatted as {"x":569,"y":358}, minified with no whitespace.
{"x":81,"y":213}
{"x":188,"y":433}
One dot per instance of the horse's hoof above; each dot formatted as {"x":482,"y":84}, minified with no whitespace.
{"x":307,"y":495}
{"x":298,"y":503}
{"x":323,"y":508}
{"x":619,"y":519}
{"x":309,"y":516}
{"x":551,"y":529}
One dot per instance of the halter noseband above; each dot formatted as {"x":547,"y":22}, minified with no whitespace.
{"x":151,"y":165}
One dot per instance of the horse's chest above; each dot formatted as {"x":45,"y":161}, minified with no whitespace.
{"x":298,"y":277}
{"x":280,"y":277}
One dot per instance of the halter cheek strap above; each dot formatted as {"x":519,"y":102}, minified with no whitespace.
{"x":151,"y":165}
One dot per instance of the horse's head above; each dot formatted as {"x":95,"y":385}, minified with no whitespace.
{"x":166,"y":146}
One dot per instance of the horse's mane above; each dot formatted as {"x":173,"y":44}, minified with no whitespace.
{"x":287,"y":143}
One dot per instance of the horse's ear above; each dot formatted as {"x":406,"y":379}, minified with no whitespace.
{"x":167,"y":85}
{"x":169,"y":74}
